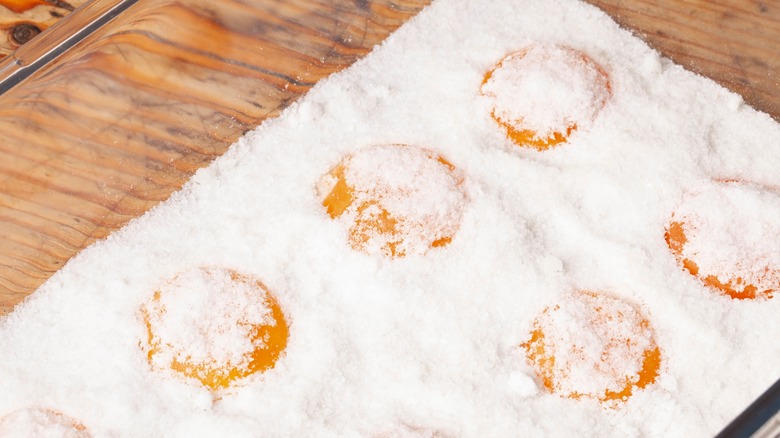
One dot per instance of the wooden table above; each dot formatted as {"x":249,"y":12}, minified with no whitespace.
{"x":22,"y":20}
{"x":734,"y":42}
{"x":123,"y":119}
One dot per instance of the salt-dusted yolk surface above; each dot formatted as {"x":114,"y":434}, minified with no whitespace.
{"x":396,"y":200}
{"x":214,"y":325}
{"x":36,"y":422}
{"x":593,"y":346}
{"x":727,"y":236}
{"x":543,"y":93}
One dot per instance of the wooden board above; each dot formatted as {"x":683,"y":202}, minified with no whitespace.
{"x":734,"y":42}
{"x":121,"y":121}
{"x":22,"y":20}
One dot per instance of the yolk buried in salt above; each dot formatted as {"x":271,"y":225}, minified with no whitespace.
{"x":540,"y":95}
{"x":41,"y":422}
{"x":593,"y":346}
{"x":726,"y":236}
{"x":214,"y":325}
{"x":396,"y":200}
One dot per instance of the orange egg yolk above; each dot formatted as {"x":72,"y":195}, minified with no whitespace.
{"x":373,"y":220}
{"x":270,"y":341}
{"x":618,"y":361}
{"x":515,"y":128}
{"x":732,"y":285}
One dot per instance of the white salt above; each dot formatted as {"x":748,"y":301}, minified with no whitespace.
{"x":40,"y":423}
{"x":429,"y":343}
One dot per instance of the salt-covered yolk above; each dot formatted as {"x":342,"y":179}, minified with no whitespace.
{"x":397,"y":200}
{"x":214,"y":325}
{"x":736,"y":288}
{"x":593,"y":346}
{"x":41,"y":422}
{"x":541,"y":94}
{"x":726,"y":236}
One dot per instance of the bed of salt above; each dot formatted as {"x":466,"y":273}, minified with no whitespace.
{"x":428,"y":344}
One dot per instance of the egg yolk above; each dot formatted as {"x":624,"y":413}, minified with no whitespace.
{"x":731,"y":284}
{"x":593,"y":346}
{"x":255,"y":322}
{"x":35,"y":421}
{"x":417,"y":207}
{"x":542,"y":94}
{"x":725,"y":235}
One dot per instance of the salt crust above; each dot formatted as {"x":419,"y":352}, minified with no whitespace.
{"x":429,"y":341}
{"x":204,"y":316}
{"x":729,"y":233}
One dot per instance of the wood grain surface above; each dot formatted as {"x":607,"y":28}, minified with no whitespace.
{"x":123,"y":119}
{"x":22,"y":20}
{"x":734,"y":42}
